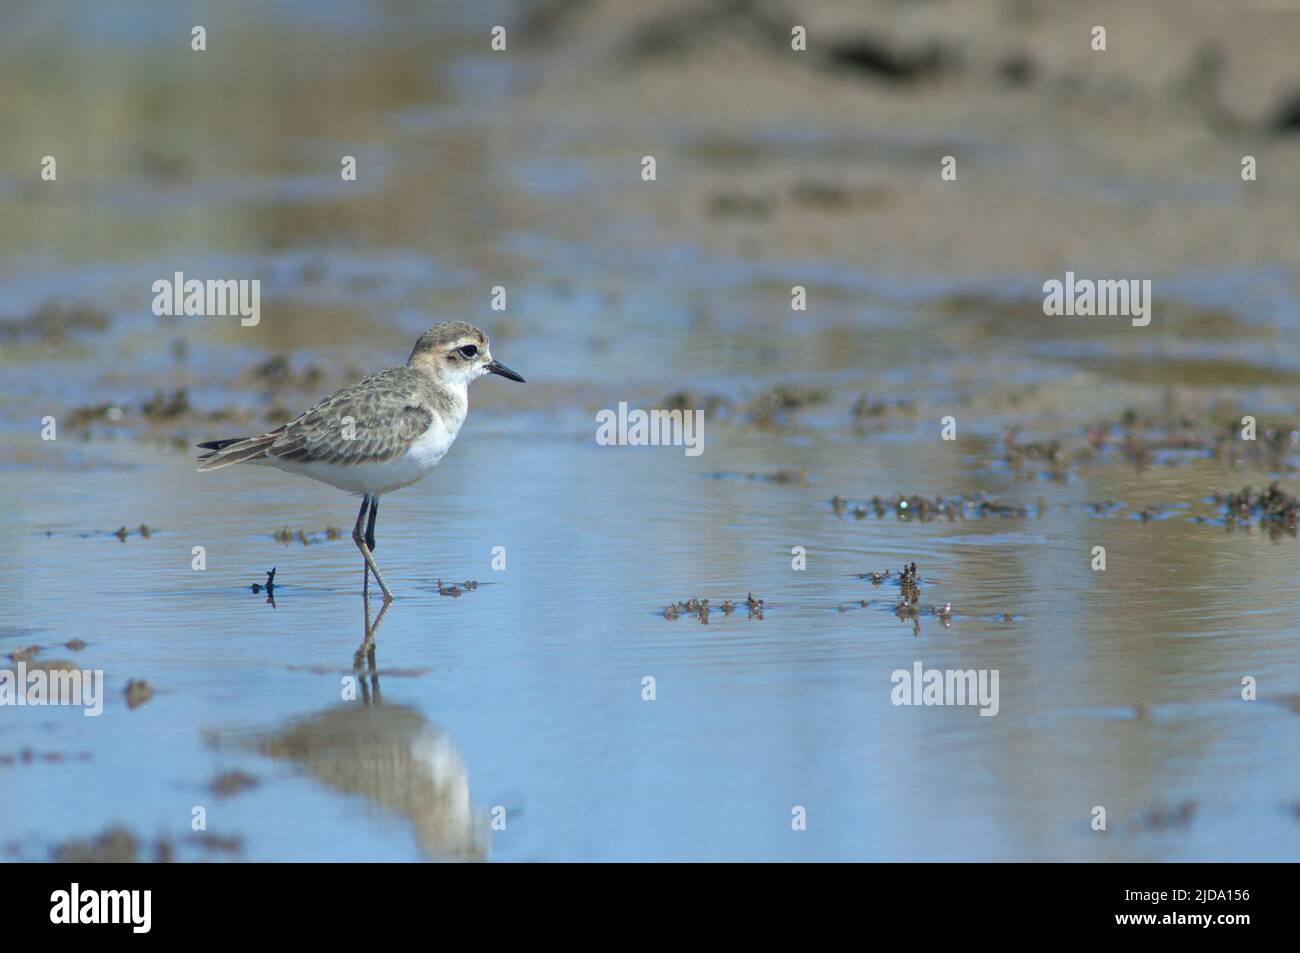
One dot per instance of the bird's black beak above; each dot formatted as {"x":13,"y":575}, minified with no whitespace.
{"x":496,"y":367}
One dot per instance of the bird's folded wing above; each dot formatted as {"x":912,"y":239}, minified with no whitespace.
{"x":361,"y":424}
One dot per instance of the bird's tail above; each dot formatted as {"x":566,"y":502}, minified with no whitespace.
{"x":226,"y":453}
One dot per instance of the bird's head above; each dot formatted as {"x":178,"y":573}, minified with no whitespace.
{"x":456,"y":353}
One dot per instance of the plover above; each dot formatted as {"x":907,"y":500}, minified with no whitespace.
{"x":379,"y":435}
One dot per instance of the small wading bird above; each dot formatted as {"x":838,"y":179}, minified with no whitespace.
{"x":380,"y":435}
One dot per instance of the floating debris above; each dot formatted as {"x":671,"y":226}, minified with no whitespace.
{"x":55,"y":665}
{"x":695,"y":607}
{"x":277,"y":373}
{"x":116,"y":845}
{"x":1149,"y":512}
{"x":908,"y":607}
{"x":81,"y":417}
{"x":53,"y":322}
{"x":230,"y":783}
{"x":1168,"y":436}
{"x":1049,"y":454}
{"x":1274,"y":508}
{"x":907,"y":581}
{"x":884,"y":59}
{"x":700,"y":609}
{"x":28,"y":756}
{"x":286,"y":535}
{"x":1165,"y":818}
{"x":137,"y":692}
{"x":780,"y":476}
{"x":1269,"y":449}
{"x":162,"y":406}
{"x":869,"y":408}
{"x":689,"y":400}
{"x":772,"y":407}
{"x":456,"y":589}
{"x":924,"y":509}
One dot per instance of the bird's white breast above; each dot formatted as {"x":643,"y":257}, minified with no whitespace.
{"x":431,"y":446}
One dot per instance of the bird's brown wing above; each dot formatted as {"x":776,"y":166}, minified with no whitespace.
{"x":375,"y":420}
{"x":370,"y":422}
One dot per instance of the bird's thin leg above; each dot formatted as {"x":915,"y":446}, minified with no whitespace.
{"x":365,"y":564}
{"x":370,"y":542}
{"x":370,"y":527}
{"x":363,"y":659}
{"x":360,"y":540}
{"x":359,"y":656}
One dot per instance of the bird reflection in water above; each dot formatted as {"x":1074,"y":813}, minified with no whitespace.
{"x":392,"y":756}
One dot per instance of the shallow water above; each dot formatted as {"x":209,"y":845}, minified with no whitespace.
{"x":522,"y":698}
{"x":535,"y":676}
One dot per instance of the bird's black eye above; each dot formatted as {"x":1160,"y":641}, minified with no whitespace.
{"x":469,"y":350}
